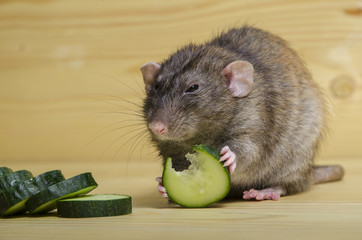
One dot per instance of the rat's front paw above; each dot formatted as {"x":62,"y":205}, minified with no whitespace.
{"x":229,"y":157}
{"x":161,"y":188}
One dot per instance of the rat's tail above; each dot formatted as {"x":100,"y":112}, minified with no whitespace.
{"x":323,"y":174}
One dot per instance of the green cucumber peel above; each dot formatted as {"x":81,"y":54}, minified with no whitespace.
{"x":45,"y":200}
{"x":12,"y":200}
{"x":13,"y":178}
{"x":5,"y":170}
{"x":99,"y":205}
{"x":205,"y":182}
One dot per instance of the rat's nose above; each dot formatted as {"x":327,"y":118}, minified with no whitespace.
{"x":158,"y":127}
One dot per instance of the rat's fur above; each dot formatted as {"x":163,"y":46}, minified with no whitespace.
{"x":275,"y":131}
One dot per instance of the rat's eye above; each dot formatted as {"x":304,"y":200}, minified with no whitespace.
{"x":193,"y":88}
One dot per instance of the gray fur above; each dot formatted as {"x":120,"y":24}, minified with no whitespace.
{"x":274,"y":131}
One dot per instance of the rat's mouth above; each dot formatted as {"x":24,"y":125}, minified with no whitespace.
{"x":172,"y":137}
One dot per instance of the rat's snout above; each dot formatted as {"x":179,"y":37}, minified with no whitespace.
{"x":163,"y":128}
{"x":159,"y":128}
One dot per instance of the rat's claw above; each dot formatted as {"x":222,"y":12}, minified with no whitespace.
{"x":161,"y":188}
{"x":232,"y":168}
{"x":229,"y":157}
{"x":224,"y":150}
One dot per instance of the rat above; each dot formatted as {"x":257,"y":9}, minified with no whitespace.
{"x":247,"y":93}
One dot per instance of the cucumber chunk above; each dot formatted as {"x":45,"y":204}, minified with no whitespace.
{"x":100,"y":205}
{"x":12,"y":200}
{"x":11,"y":179}
{"x":5,"y":170}
{"x":206,"y":181}
{"x":45,"y":200}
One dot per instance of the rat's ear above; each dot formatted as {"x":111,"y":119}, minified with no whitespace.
{"x":149,"y":71}
{"x":240,"y":76}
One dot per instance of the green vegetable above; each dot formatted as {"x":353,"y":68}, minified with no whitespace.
{"x":46,"y":200}
{"x":12,"y":200}
{"x":95,"y":206}
{"x":5,"y":170}
{"x":206,"y":181}
{"x":11,"y":179}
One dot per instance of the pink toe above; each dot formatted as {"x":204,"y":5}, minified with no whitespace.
{"x":275,"y":196}
{"x":224,"y":150}
{"x":225,"y":156}
{"x":232,"y":168}
{"x":246,"y":196}
{"x":230,"y":160}
{"x":161,"y":188}
{"x":260,"y":196}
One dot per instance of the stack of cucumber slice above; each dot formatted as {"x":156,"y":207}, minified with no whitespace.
{"x":21,"y":192}
{"x":13,"y":198}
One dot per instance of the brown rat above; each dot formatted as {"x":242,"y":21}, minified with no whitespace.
{"x":247,"y":93}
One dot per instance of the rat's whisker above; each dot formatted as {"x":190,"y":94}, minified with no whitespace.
{"x":138,"y":115}
{"x":120,"y":82}
{"x":120,"y":137}
{"x":136,"y":144}
{"x":113,"y":130}
{"x":138,"y":131}
{"x":119,"y":99}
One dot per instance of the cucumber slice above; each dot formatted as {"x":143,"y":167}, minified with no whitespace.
{"x":45,"y":200}
{"x":100,"y":205}
{"x":206,"y":181}
{"x":13,"y":200}
{"x":11,"y":179}
{"x":5,"y":170}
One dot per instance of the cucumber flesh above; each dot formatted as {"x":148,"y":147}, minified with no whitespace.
{"x":45,"y":200}
{"x":11,"y":179}
{"x":100,"y":205}
{"x":12,"y":200}
{"x":206,"y":181}
{"x":5,"y":170}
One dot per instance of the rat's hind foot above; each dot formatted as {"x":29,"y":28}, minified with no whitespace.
{"x":264,"y":194}
{"x":229,"y":157}
{"x":161,"y":188}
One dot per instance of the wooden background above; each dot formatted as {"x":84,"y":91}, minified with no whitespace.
{"x":64,"y":64}
{"x":70,"y":91}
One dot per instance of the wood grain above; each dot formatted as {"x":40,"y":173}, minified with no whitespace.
{"x":65,"y":64}
{"x":70,"y":96}
{"x":327,"y":211}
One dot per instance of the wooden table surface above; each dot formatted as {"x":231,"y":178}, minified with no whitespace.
{"x":327,"y":211}
{"x":70,"y":80}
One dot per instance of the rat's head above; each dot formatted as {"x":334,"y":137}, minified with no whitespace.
{"x":191,"y":94}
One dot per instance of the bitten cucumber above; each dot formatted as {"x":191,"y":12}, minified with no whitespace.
{"x":206,"y":181}
{"x":5,"y":170}
{"x":45,"y":200}
{"x":12,"y":200}
{"x":11,"y":179}
{"x":99,"y":205}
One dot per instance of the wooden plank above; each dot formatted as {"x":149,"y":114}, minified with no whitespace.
{"x":326,"y":211}
{"x":60,"y":61}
